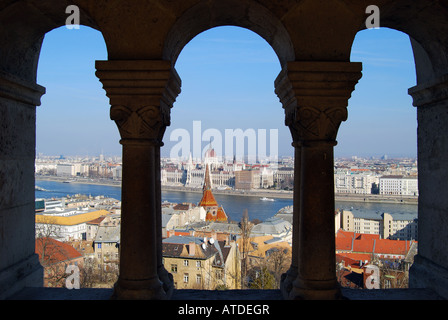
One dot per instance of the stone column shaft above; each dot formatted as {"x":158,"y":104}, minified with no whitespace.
{"x":316,"y":255}
{"x":141,"y":95}
{"x":291,"y":274}
{"x":315,"y":98}
{"x":430,"y":264}
{"x":19,"y":264}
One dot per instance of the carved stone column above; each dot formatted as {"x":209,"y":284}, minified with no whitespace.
{"x":430,"y":266}
{"x":315,"y":97}
{"x":141,"y":95}
{"x":289,"y":277}
{"x":19,"y":264}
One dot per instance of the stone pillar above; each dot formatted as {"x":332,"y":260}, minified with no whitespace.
{"x":430,"y":266}
{"x":19,"y":265}
{"x":289,"y":277}
{"x":315,"y":97}
{"x":141,"y":95}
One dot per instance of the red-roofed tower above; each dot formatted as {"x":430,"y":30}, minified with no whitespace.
{"x":208,"y":201}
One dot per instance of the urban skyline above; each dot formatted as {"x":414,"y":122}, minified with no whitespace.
{"x":227,"y":83}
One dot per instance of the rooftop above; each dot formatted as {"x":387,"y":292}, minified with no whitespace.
{"x":69,"y":217}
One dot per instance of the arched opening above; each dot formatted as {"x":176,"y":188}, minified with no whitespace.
{"x":250,"y":15}
{"x":228,"y":78}
{"x":74,"y":105}
{"x":76,"y":145}
{"x":376,"y":175}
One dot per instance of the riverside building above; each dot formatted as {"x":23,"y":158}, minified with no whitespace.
{"x":387,"y":226}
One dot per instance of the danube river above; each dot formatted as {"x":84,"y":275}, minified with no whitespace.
{"x":233,"y":205}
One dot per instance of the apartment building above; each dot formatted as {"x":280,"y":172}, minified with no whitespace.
{"x":247,"y":179}
{"x":72,"y":169}
{"x":386,"y":225}
{"x":348,"y":181}
{"x":398,"y":185}
{"x":66,"y":225}
{"x":106,"y":246}
{"x":202,"y":263}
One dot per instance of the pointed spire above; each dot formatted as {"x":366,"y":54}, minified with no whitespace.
{"x":207,"y":180}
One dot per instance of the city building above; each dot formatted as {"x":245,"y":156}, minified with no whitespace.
{"x":202,"y":263}
{"x":107,"y":247}
{"x":214,"y":212}
{"x":354,"y":182}
{"x":72,"y":169}
{"x":102,"y":221}
{"x":368,"y":248}
{"x":180,"y":216}
{"x":279,"y":229}
{"x":55,"y":256}
{"x":65,"y":225}
{"x":387,"y":226}
{"x":247,"y":179}
{"x":399,"y":185}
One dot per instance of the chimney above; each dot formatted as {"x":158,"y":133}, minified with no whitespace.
{"x":192,"y":248}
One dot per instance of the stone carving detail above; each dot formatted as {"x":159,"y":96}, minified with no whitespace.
{"x":315,"y":97}
{"x":312,"y":123}
{"x":141,"y":93}
{"x":147,"y":122}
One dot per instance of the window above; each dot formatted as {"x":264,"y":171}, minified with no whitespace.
{"x":174,"y":268}
{"x":186,"y":277}
{"x":198,"y":264}
{"x":186,"y":263}
{"x":198,"y":279}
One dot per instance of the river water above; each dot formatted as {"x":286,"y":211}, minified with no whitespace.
{"x":233,"y":205}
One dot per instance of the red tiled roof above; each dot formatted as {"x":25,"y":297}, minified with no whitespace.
{"x":97,"y":220}
{"x":370,"y":243}
{"x":55,"y":251}
{"x":352,"y":259}
{"x":208,"y":199}
{"x":221,"y":215}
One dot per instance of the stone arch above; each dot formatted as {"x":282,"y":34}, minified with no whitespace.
{"x":426,"y":26}
{"x":425,"y":23}
{"x":245,"y":14}
{"x":21,"y":42}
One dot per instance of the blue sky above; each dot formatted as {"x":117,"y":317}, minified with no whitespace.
{"x":228,"y":78}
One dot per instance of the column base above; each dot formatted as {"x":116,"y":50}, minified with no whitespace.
{"x":315,"y":290}
{"x":150,"y":289}
{"x":286,"y":282}
{"x":167,"y":280}
{"x":26,"y":273}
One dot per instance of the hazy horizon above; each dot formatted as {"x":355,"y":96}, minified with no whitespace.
{"x":228,"y":78}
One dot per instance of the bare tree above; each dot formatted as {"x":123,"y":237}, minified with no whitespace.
{"x":246,"y":228}
{"x":278,"y":263}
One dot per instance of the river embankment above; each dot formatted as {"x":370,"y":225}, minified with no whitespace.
{"x":268,"y":193}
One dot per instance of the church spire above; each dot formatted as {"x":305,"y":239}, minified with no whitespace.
{"x":207,"y":180}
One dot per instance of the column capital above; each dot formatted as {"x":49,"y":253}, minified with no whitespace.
{"x":431,"y":93}
{"x":19,"y":90}
{"x":315,"y":96}
{"x":141,"y":93}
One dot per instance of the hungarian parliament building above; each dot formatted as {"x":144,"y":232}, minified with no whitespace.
{"x":225,"y":175}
